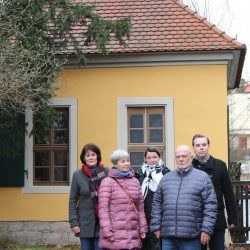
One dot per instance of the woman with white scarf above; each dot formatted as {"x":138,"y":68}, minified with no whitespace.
{"x":149,"y":176}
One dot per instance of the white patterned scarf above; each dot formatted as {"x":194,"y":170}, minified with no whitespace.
{"x":153,"y":177}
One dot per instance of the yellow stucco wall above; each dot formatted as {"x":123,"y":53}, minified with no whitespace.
{"x":200,"y":99}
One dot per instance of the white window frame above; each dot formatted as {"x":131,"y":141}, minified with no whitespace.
{"x":71,"y":103}
{"x":167,"y":102}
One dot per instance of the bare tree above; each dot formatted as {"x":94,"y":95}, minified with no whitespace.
{"x":32,"y":34}
{"x":218,"y":14}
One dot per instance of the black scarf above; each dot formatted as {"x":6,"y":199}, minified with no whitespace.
{"x":95,"y":176}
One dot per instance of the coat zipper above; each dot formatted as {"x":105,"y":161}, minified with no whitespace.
{"x":177,"y":206}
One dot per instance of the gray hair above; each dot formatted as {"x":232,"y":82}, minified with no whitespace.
{"x":118,"y":155}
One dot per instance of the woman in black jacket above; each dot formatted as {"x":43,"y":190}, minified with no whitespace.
{"x":149,"y":176}
{"x":83,"y":201}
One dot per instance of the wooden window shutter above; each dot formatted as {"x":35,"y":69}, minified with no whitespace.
{"x":12,"y":168}
{"x":12,"y":171}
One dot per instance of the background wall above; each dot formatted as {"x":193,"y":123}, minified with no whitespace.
{"x":200,"y":106}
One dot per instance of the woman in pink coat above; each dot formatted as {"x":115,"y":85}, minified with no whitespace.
{"x":121,"y":208}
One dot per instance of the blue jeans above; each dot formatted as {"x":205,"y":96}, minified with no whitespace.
{"x":180,"y":244}
{"x":90,"y":244}
{"x":217,"y":241}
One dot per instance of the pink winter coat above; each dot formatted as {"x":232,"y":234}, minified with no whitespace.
{"x":118,"y":217}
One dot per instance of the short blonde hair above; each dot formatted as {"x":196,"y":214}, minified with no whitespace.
{"x":118,"y":155}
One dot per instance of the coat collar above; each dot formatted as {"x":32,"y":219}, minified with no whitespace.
{"x":207,"y":164}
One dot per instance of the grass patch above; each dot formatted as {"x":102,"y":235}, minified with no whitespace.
{"x":8,"y":244}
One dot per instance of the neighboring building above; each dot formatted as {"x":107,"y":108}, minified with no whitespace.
{"x":239,"y":129}
{"x":169,"y":83}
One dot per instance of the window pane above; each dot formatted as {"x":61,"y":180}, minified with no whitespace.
{"x":41,"y":174}
{"x":61,"y":137}
{"x":61,"y":158}
{"x":61,"y":174}
{"x":155,"y":120}
{"x":42,"y":159}
{"x":136,"y":158}
{"x":42,"y":137}
{"x":155,"y":135}
{"x":136,"y":136}
{"x":61,"y":120}
{"x":136,"y":121}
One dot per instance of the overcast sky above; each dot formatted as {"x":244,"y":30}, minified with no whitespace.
{"x":233,"y":17}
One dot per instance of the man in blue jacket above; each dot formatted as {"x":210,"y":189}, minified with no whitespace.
{"x":217,"y":171}
{"x":184,"y":206}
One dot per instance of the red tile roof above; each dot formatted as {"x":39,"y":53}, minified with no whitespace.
{"x":162,"y":26}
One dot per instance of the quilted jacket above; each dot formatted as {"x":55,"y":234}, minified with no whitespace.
{"x":118,"y":218}
{"x":184,"y":205}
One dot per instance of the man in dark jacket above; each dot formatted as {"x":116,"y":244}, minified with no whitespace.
{"x":217,"y":171}
{"x":184,"y":206}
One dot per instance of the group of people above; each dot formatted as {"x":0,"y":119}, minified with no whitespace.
{"x":153,"y":208}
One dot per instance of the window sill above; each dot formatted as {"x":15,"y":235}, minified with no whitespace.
{"x":46,"y":190}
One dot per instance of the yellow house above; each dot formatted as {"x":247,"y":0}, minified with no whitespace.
{"x":168,"y":84}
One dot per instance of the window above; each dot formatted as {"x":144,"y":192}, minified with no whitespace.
{"x":146,"y":127}
{"x":51,"y":160}
{"x":51,"y":153}
{"x":146,"y":122}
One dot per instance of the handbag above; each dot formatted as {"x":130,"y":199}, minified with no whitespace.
{"x":127,"y":193}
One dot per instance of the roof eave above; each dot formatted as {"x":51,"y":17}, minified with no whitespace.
{"x":235,"y":67}
{"x":233,"y":58}
{"x":240,"y":67}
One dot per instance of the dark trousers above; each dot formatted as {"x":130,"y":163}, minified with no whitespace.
{"x":151,"y":242}
{"x":90,"y":244}
{"x":217,"y":241}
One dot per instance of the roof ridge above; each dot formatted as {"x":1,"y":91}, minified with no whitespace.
{"x":209,"y":24}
